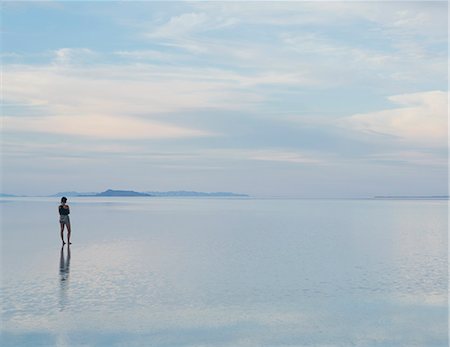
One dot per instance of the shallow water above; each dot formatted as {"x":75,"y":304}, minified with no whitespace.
{"x":225,"y":272}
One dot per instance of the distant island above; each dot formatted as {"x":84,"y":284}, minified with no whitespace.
{"x":111,"y":192}
{"x":191,"y":193}
{"x":412,"y":197}
{"x":132,"y":193}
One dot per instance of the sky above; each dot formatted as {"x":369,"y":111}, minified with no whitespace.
{"x":294,"y":99}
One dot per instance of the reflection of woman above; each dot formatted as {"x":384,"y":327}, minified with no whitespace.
{"x":64,"y":268}
{"x":64,"y":211}
{"x":64,"y":264}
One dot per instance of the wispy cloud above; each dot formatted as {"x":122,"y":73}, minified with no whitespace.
{"x":277,"y":90}
{"x":149,"y":55}
{"x":394,"y":45}
{"x":74,"y":55}
{"x":414,"y":157}
{"x":186,"y":24}
{"x":120,"y":101}
{"x":99,"y":126}
{"x":421,"y":118}
{"x":170,"y":157}
{"x":270,"y":155}
{"x":137,"y":88}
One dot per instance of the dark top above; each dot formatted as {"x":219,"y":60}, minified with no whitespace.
{"x":63,"y":211}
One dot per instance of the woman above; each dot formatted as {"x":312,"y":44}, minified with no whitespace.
{"x":64,"y":211}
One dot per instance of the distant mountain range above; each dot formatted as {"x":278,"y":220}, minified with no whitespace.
{"x":180,"y":193}
{"x":183,"y":193}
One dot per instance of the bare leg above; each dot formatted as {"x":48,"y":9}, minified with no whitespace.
{"x":68,"y":233}
{"x":62,"y":233}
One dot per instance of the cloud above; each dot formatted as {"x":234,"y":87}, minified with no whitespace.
{"x":179,"y":26}
{"x":416,"y":17}
{"x":180,"y":31}
{"x":99,"y":126}
{"x":127,"y":89}
{"x":409,"y":157}
{"x":186,"y":24}
{"x":421,"y":119}
{"x":181,"y":157}
{"x":269,"y":155}
{"x":70,"y":55}
{"x":282,"y":156}
{"x":119,"y":100}
{"x":396,"y":43}
{"x":149,"y":55}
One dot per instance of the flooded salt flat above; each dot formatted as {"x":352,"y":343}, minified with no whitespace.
{"x":225,"y":272}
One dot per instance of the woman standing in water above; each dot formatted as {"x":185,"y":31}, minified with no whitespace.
{"x":64,"y":211}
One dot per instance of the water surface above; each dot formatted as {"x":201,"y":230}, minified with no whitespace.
{"x":225,"y":272}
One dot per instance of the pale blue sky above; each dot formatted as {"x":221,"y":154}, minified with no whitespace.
{"x":306,"y":99}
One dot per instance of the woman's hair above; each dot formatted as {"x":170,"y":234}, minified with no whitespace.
{"x":63,"y":199}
